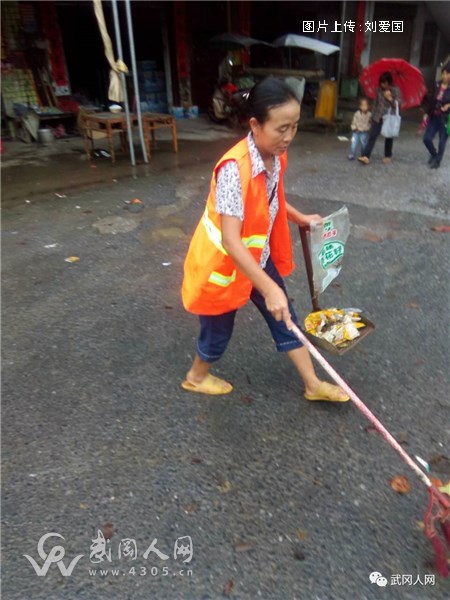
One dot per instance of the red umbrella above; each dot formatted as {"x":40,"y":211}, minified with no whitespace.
{"x":407,"y":78}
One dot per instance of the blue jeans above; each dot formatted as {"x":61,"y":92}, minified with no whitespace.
{"x":358,"y":137}
{"x":436,"y":125}
{"x":216,"y":330}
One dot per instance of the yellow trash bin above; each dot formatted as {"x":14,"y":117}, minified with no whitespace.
{"x":326,"y":102}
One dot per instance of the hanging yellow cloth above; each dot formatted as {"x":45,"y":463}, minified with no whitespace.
{"x":115,"y":92}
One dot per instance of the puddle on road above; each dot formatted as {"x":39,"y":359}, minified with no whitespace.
{"x":36,"y":176}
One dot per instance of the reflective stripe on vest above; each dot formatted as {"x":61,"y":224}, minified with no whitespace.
{"x":222,"y":280}
{"x":255,"y":241}
{"x":215,"y":236}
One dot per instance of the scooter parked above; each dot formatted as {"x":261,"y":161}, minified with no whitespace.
{"x":227,"y":105}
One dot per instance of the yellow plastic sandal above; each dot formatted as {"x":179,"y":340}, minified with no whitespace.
{"x":211,"y":385}
{"x":328,"y":392}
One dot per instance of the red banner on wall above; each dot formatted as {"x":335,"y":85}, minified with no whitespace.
{"x":244,"y":17}
{"x":359,"y":39}
{"x":52,"y":33}
{"x":180,"y":39}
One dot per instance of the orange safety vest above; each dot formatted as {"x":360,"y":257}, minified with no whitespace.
{"x":212,"y":284}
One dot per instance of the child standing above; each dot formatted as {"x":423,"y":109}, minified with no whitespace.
{"x":360,"y":127}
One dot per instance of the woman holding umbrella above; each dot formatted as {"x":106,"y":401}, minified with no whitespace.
{"x":387,"y":97}
{"x":438,"y":112}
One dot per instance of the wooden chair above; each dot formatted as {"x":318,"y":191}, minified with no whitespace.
{"x":153,"y":121}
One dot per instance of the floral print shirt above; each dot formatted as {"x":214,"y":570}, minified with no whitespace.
{"x":229,"y":200}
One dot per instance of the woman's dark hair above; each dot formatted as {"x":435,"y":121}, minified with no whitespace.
{"x":268,"y":94}
{"x":386,"y":77}
{"x":446,"y":67}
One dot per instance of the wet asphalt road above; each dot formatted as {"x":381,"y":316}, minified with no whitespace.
{"x":281,"y":498}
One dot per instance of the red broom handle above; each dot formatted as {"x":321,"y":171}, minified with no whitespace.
{"x":360,"y":405}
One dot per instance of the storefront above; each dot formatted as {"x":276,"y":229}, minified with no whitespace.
{"x":53,"y":56}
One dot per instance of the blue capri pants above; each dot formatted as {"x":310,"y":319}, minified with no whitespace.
{"x":216,"y":330}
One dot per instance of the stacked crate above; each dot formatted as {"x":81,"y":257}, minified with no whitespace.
{"x":152,"y":87}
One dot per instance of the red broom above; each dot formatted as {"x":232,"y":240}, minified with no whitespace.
{"x":439,"y":505}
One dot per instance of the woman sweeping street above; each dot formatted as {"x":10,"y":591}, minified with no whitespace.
{"x":242,"y":247}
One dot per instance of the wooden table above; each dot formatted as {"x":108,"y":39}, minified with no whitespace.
{"x":110,"y":124}
{"x":113,"y":123}
{"x":153,"y":121}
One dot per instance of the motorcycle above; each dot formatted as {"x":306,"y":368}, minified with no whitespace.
{"x":227,"y":105}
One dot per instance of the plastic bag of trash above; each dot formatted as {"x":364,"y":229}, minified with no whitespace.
{"x":328,"y":247}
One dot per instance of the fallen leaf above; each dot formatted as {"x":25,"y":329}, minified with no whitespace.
{"x":301,"y":535}
{"x":400,"y":484}
{"x":437,"y":482}
{"x":369,"y":236}
{"x":412,"y":305}
{"x":202,"y":418}
{"x":420,"y":525}
{"x":440,"y":464}
{"x":195,"y":460}
{"x":224,"y":485}
{"x":243,"y":547}
{"x":228,"y":587}
{"x":83,"y":506}
{"x":190,"y":508}
{"x":168,"y":307}
{"x":298,"y":553}
{"x":246,"y":399}
{"x":108,"y":531}
{"x":72,"y":259}
{"x":402,"y":437}
{"x":370,"y":429}
{"x":93,"y":166}
{"x":441,"y":228}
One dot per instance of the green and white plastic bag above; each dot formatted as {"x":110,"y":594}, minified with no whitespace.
{"x":328,"y":247}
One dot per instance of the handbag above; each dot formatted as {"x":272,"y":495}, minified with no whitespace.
{"x":391,"y":123}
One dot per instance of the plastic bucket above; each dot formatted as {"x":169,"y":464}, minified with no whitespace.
{"x":326,"y":102}
{"x":192,"y":112}
{"x":177,"y":112}
{"x":45,"y":136}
